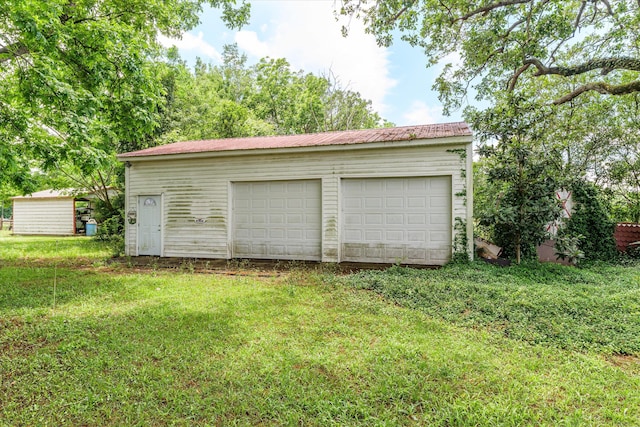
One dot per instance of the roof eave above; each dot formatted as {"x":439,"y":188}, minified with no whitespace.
{"x":449,"y":140}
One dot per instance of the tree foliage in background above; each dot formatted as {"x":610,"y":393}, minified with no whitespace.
{"x":269,"y":98}
{"x":591,"y":139}
{"x":79,"y":79}
{"x":494,"y":45}
{"x":517,"y":199}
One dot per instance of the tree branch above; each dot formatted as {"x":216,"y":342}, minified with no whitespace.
{"x":13,"y":51}
{"x":606,"y":64}
{"x":513,"y":80}
{"x":600,"y":87}
{"x":488,"y":8}
{"x":401,"y":12}
{"x":579,"y":17}
{"x":609,"y":9}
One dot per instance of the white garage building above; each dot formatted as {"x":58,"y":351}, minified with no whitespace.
{"x":381,"y":195}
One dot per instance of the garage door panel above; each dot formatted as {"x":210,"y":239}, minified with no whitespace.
{"x":394,"y":202}
{"x":373,"y":203}
{"x":277,"y":220}
{"x":417,"y":219}
{"x":396,"y":220}
{"x":439,"y":219}
{"x":277,"y":203}
{"x":416,"y":236}
{"x":417,"y":202}
{"x":394,"y":236}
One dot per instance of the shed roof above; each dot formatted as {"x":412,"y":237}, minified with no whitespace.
{"x":49,"y":194}
{"x":65,"y":193}
{"x":405,"y":133}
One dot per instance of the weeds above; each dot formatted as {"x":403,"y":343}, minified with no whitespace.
{"x":584,"y":309}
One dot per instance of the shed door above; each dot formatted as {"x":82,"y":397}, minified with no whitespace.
{"x":388,"y":220}
{"x":277,"y":220}
{"x":149,"y":225}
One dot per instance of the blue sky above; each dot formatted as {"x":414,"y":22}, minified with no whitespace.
{"x":306,"y":33}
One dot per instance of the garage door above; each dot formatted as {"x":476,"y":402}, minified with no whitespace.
{"x":390,"y":220}
{"x":277,"y":220}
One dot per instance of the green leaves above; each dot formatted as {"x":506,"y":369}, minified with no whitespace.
{"x":82,"y":75}
{"x":495,"y":39}
{"x":236,"y":100}
{"x":516,"y":199}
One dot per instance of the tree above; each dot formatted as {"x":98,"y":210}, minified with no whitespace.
{"x":501,"y":42}
{"x":78,"y":79}
{"x":345,"y":109}
{"x":517,"y":200}
{"x":238,"y":100}
{"x":589,"y":139}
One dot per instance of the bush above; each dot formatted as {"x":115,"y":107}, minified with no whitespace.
{"x":591,"y":223}
{"x":111,"y":219}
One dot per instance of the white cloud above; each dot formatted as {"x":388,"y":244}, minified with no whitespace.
{"x":420,"y":113}
{"x":249,"y":42}
{"x":192,"y":43}
{"x":308,"y":36}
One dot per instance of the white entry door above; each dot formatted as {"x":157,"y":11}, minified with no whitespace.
{"x":277,"y":220}
{"x":388,"y":220}
{"x":149,"y":225}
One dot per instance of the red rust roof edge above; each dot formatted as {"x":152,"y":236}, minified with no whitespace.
{"x":362,"y":136}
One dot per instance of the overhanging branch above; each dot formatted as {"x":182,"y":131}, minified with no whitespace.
{"x":605,"y":64}
{"x":488,"y":8}
{"x":601,"y":87}
{"x":12,"y":51}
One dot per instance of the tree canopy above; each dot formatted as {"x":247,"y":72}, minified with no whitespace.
{"x":236,"y":99}
{"x":501,"y":42}
{"x":78,"y":78}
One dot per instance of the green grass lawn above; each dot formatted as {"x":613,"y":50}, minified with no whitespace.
{"x":163,"y":347}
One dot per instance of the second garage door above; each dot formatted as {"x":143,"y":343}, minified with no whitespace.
{"x":388,"y":220}
{"x":277,"y":220}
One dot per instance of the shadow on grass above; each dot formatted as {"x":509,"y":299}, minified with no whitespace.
{"x":48,"y":249}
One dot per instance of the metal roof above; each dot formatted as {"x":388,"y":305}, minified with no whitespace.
{"x":49,"y":194}
{"x":405,"y":133}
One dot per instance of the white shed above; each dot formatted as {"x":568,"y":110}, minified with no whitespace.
{"x":51,"y":212}
{"x":381,"y":195}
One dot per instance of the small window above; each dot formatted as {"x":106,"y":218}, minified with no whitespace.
{"x":149,"y":202}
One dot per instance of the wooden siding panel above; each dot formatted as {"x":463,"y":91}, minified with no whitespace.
{"x":43,"y":216}
{"x":196,"y":191}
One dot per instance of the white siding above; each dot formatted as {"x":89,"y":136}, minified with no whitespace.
{"x":200,"y":189}
{"x":43,"y":216}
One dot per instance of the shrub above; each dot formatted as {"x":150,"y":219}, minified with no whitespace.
{"x":111,"y":219}
{"x":591,"y":223}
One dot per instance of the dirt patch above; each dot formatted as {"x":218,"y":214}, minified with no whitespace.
{"x":244,"y":266}
{"x":626,"y":362}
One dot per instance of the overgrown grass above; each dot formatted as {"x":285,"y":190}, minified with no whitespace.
{"x":595,"y":308}
{"x":175,"y":348}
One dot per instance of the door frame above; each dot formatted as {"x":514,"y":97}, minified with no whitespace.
{"x":139,"y":197}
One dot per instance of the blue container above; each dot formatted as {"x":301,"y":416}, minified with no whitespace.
{"x":91,"y":227}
